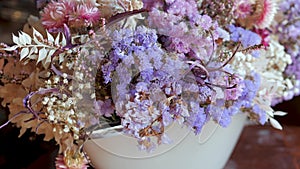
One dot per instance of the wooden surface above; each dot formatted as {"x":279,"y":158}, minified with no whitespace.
{"x":262,"y":147}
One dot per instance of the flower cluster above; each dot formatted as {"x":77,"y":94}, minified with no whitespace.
{"x":143,"y":65}
{"x":286,"y":29}
{"x":73,"y":13}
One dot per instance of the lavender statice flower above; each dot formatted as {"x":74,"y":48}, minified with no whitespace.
{"x":147,"y":85}
{"x":246,"y":37}
{"x":183,"y":29}
{"x":294,"y":68}
{"x":136,"y":110}
{"x":182,"y":8}
{"x":127,"y":44}
{"x":259,"y":114}
{"x":198,"y":119}
{"x":250,"y":90}
{"x":246,"y":100}
{"x":149,"y":107}
{"x":217,"y":113}
{"x":222,"y":110}
{"x":218,"y":103}
{"x":289,"y":25}
{"x":293,"y":71}
{"x":104,"y":107}
{"x":225,"y":119}
{"x":206,"y":94}
{"x":287,"y":29}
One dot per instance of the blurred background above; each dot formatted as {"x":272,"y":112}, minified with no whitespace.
{"x":29,"y":151}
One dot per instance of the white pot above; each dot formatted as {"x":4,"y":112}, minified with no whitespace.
{"x":210,"y":150}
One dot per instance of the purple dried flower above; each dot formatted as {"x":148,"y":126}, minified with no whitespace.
{"x":198,"y":119}
{"x":246,"y":37}
{"x":104,"y":108}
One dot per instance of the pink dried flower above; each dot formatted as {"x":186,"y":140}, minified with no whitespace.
{"x":71,"y":160}
{"x":267,"y":13}
{"x":55,"y":14}
{"x":262,"y":16}
{"x":84,"y":15}
{"x":70,"y":12}
{"x":60,"y":163}
{"x":242,"y":8}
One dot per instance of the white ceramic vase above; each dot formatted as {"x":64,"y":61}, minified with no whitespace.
{"x":209,"y":150}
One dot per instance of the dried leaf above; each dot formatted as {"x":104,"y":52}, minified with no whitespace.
{"x":63,"y":41}
{"x":275,"y":124}
{"x":16,"y":69}
{"x":61,"y":57}
{"x":37,"y":34}
{"x":57,"y":39}
{"x":26,"y":38}
{"x":33,"y":57}
{"x":37,"y":42}
{"x":16,"y":39}
{"x":42,"y":55}
{"x":33,"y":81}
{"x":33,"y":50}
{"x":24,"y":53}
{"x":9,"y":68}
{"x":22,"y":40}
{"x":15,"y":107}
{"x":280,"y":113}
{"x":50,"y":54}
{"x":50,"y":37}
{"x":11,"y":48}
{"x":47,"y":129}
{"x":64,"y":140}
{"x":9,"y":92}
{"x":25,"y":68}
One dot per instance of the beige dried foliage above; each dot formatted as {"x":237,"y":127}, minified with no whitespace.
{"x":109,"y":8}
{"x":14,"y":93}
{"x":16,"y":70}
{"x":11,"y":92}
{"x":46,"y":129}
{"x":39,"y":126}
{"x":64,"y":140}
{"x":33,"y":82}
{"x":15,"y":107}
{"x":34,"y":22}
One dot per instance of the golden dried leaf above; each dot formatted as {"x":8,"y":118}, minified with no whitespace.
{"x":16,"y":69}
{"x":33,"y":82}
{"x":46,"y":129}
{"x":9,"y":92}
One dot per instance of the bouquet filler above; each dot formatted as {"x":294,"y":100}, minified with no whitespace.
{"x":140,"y":66}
